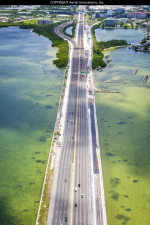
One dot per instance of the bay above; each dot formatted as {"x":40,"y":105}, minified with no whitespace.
{"x":30,"y":87}
{"x":124,"y":130}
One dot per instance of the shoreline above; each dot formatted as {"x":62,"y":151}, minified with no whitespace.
{"x":47,"y":31}
{"x":111,"y":48}
{"x":53,"y":157}
{"x":98,"y":56}
{"x":120,"y":28}
{"x":55,"y":148}
{"x":39,"y":141}
{"x":141,"y":50}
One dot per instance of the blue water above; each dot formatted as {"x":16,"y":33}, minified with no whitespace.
{"x":132,"y":36}
{"x":69,"y":30}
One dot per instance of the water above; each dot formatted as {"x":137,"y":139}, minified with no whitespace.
{"x":130,"y":35}
{"x":30,"y":88}
{"x":124,"y":128}
{"x":69,"y":30}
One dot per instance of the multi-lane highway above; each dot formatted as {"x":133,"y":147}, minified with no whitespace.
{"x":69,"y":206}
{"x":82,"y":148}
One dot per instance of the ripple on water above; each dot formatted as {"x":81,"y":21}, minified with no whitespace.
{"x":30,"y":87}
{"x":127,"y":157}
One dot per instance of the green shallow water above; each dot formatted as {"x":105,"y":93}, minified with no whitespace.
{"x":124,"y":130}
{"x":30,"y":87}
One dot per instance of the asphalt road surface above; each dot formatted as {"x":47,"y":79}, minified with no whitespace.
{"x":81,"y":212}
{"x":75,"y":146}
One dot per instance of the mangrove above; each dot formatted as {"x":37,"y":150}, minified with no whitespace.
{"x":48,"y":32}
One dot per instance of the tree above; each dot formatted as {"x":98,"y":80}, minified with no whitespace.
{"x":125,"y":26}
{"x":135,"y":48}
{"x":143,"y":41}
{"x":121,"y":24}
{"x":103,"y":26}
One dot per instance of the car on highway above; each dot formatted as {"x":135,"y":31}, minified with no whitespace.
{"x":75,"y":204}
{"x":59,"y":145}
{"x":66,"y":219}
{"x":81,"y":195}
{"x":75,"y":189}
{"x":61,"y":223}
{"x":78,"y":185}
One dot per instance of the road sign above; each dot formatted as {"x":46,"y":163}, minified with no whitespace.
{"x":85,"y":72}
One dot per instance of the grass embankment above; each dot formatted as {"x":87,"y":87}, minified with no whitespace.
{"x":98,"y":47}
{"x":73,"y":30}
{"x":46,"y":196}
{"x":48,"y":32}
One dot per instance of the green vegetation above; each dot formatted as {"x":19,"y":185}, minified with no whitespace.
{"x":48,"y":32}
{"x":70,"y":8}
{"x":98,"y":60}
{"x":89,"y":14}
{"x":34,"y":21}
{"x":144,"y":44}
{"x":122,"y":25}
{"x":143,"y":40}
{"x":97,"y":54}
{"x":124,"y":218}
{"x":73,"y":30}
{"x":98,"y":47}
{"x":115,"y":195}
{"x":114,"y":181}
{"x":112,"y":43}
{"x":35,"y":85}
{"x":130,"y":165}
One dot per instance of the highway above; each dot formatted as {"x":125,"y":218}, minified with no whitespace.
{"x":63,"y":183}
{"x":74,"y":165}
{"x":81,"y":213}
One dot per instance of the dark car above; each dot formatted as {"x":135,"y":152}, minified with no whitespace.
{"x":75,"y":204}
{"x":78,"y":185}
{"x":66,"y":219}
